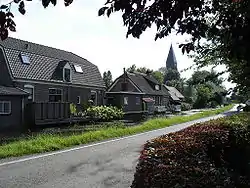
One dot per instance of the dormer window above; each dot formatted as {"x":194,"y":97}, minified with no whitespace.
{"x":78,"y":68}
{"x":157,"y":87}
{"x":25,"y":59}
{"x":67,"y":75}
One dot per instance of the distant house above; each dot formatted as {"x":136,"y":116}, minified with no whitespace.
{"x":176,"y":98}
{"x":137,"y":93}
{"x":47,"y":74}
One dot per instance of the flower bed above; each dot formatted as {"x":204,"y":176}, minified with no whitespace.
{"x":211,"y":154}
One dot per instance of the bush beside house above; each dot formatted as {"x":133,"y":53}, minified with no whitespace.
{"x":185,"y":106}
{"x":211,"y":154}
{"x":102,"y":113}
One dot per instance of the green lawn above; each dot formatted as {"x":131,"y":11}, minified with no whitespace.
{"x":48,"y":142}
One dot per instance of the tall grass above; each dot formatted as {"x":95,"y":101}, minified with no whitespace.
{"x":49,"y":142}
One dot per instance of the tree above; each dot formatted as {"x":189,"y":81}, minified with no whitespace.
{"x":203,"y":96}
{"x":171,"y":75}
{"x":158,"y":76}
{"x":107,"y":78}
{"x":208,"y":88}
{"x":223,"y":24}
{"x":131,"y":68}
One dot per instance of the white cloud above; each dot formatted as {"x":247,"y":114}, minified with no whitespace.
{"x":101,"y":40}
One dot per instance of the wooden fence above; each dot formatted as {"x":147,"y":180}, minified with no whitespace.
{"x":47,"y":113}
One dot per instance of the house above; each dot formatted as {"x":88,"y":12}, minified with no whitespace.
{"x":49,"y":74}
{"x":11,"y":107}
{"x":176,"y":98}
{"x":137,"y":93}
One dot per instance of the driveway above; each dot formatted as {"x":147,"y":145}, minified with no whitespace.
{"x":109,"y":164}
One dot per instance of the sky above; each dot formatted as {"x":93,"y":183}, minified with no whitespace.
{"x":101,"y":40}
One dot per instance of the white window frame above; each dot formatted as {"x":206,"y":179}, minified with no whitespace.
{"x":78,"y":99}
{"x":33,"y":90}
{"x":67,"y":66}
{"x":125,"y":100}
{"x":94,"y":92}
{"x":2,"y":112}
{"x":57,"y":94}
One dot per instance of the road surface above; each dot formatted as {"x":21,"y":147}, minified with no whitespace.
{"x":109,"y":164}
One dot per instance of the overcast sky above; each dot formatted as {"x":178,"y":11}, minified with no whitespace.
{"x":101,"y":40}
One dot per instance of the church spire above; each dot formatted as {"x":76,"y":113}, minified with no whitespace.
{"x":171,"y":60}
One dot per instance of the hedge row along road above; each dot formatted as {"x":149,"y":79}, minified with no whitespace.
{"x":107,"y":164}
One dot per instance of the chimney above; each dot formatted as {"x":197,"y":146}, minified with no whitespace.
{"x":26,"y":46}
{"x":124,"y":75}
{"x":124,"y":84}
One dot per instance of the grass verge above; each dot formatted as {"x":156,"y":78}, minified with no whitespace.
{"x":48,"y":142}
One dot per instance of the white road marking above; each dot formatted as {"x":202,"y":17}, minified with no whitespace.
{"x":96,"y":144}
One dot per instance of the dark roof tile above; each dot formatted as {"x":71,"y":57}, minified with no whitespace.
{"x":143,"y":84}
{"x":175,"y":94}
{"x":11,"y":91}
{"x":44,"y":61}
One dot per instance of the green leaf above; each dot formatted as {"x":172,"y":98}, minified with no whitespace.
{"x":3,"y":6}
{"x":67,"y":2}
{"x":45,"y":3}
{"x":102,"y":10}
{"x":53,"y":2}
{"x":22,"y":10}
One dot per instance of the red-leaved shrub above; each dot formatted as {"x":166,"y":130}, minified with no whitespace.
{"x":207,"y":155}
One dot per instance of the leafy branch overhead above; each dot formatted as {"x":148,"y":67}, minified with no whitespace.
{"x":223,"y":24}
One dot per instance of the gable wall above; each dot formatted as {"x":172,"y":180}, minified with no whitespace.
{"x":5,"y":78}
{"x":118,"y":86}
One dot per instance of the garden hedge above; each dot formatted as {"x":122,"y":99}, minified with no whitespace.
{"x":211,"y":154}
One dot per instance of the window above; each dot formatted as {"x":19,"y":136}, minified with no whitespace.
{"x":78,"y":68}
{"x":157,"y":87}
{"x":5,"y":107}
{"x":93,"y":97}
{"x":25,"y":59}
{"x":137,"y":101}
{"x":154,"y":99}
{"x":125,"y":100}
{"x":67,"y":75}
{"x":55,"y":95}
{"x":159,"y":100}
{"x":30,"y":90}
{"x":78,"y":100}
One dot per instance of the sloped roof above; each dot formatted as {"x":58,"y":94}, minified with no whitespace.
{"x":174,"y":92}
{"x":143,"y":84}
{"x":44,"y":61}
{"x":11,"y":91}
{"x":171,"y":60}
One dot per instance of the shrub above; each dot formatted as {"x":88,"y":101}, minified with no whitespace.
{"x":246,"y":108}
{"x":104,"y":113}
{"x":212,"y":154}
{"x":185,"y":106}
{"x":73,"y":110}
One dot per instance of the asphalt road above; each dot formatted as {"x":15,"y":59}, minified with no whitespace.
{"x":104,"y":165}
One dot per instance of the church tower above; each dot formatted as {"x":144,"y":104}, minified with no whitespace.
{"x":171,"y":62}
